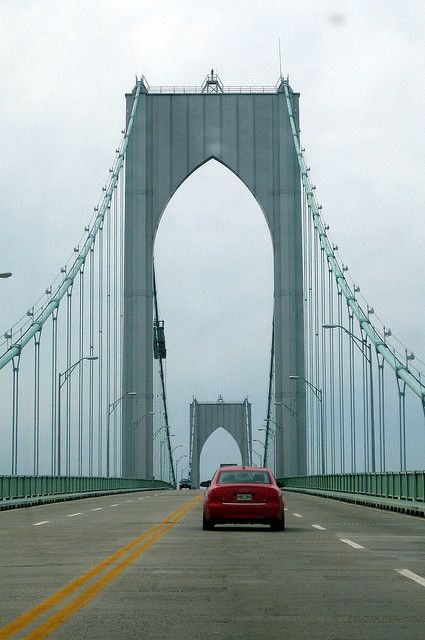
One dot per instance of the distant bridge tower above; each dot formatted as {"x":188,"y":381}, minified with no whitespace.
{"x":175,"y":131}
{"x":206,"y":417}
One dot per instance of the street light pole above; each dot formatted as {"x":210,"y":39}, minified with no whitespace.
{"x":257,"y":454}
{"x":319,"y":395}
{"x":63,"y":377}
{"x":177,"y":464}
{"x":357,"y":341}
{"x":111,"y":407}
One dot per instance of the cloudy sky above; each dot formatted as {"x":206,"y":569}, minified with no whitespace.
{"x":360,"y":68}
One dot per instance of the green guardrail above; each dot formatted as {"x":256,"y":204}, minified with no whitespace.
{"x":21,"y":487}
{"x":405,"y":485}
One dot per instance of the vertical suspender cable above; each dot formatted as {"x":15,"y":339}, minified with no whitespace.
{"x":322,"y":333}
{"x":161,"y":371}
{"x":100,"y":361}
{"x":319,"y":426}
{"x":311,"y":342}
{"x":54,"y":368}
{"x":15,"y":413}
{"x":81,"y":372}
{"x":401,"y":384}
{"x":91,"y":363}
{"x":269,"y":399}
{"x":68,"y":381}
{"x":341,"y":384}
{"x":365,"y":395}
{"x":121,"y":296}
{"x":381,"y":397}
{"x":352,"y":394}
{"x":115,"y":266}
{"x":108,"y":323}
{"x":36,"y":441}
{"x":331,"y":370}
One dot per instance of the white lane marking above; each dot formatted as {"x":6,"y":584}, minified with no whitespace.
{"x":71,"y":515}
{"x":97,"y":509}
{"x":298,"y":515}
{"x":37,"y":524}
{"x":318,"y":526}
{"x":351,"y":543}
{"x":285,"y":508}
{"x":140,"y":498}
{"x":130,"y":500}
{"x":413,"y":576}
{"x":114,"y":505}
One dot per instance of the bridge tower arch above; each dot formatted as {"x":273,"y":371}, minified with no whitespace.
{"x":175,"y":131}
{"x":207,"y":417}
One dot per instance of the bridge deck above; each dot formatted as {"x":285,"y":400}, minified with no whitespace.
{"x":332,"y":574}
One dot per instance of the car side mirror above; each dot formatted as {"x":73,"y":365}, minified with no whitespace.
{"x":280,"y":483}
{"x":206,"y":483}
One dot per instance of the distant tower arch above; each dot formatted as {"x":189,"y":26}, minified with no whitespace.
{"x":206,"y":417}
{"x":175,"y":131}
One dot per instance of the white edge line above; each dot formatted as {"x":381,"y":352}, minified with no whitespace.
{"x":37,"y":524}
{"x":412,"y":576}
{"x":71,"y":515}
{"x":319,"y":526}
{"x":351,"y":543}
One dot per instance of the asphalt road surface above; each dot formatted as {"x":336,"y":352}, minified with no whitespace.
{"x":139,"y":566}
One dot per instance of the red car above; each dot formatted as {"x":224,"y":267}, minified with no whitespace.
{"x":243,"y":495}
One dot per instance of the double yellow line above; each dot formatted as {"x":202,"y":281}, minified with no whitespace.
{"x":116,"y":563}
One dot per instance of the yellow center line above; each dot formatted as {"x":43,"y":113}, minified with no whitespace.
{"x":58,"y":618}
{"x":56,"y":598}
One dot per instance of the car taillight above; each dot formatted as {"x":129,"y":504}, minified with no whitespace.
{"x":215,"y":493}
{"x":273,"y":495}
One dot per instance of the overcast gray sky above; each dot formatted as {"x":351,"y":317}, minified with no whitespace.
{"x":360,"y":69}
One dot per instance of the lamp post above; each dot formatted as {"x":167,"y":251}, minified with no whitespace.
{"x":63,"y":377}
{"x":171,"y":435}
{"x":357,"y":341}
{"x":271,"y":432}
{"x":157,"y":432}
{"x":288,"y":408}
{"x":177,"y":464}
{"x":319,"y":395}
{"x":277,"y":426}
{"x":111,"y":407}
{"x":257,"y":454}
{"x":262,"y":444}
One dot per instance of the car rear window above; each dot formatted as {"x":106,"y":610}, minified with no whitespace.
{"x":230,"y":477}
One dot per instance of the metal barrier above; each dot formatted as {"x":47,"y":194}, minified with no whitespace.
{"x":22,"y":487}
{"x":398,"y":485}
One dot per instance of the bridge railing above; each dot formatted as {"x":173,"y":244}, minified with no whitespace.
{"x":14,"y":488}
{"x":402,"y":485}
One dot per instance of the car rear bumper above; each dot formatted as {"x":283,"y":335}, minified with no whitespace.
{"x":248,"y":513}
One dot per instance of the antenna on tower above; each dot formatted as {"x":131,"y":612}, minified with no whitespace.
{"x":280,"y":60}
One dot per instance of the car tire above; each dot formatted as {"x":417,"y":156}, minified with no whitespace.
{"x":207,"y":525}
{"x":278,"y":525}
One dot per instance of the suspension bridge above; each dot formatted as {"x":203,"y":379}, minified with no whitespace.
{"x":83,"y":388}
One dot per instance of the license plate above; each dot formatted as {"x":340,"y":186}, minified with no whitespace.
{"x":244,"y":497}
